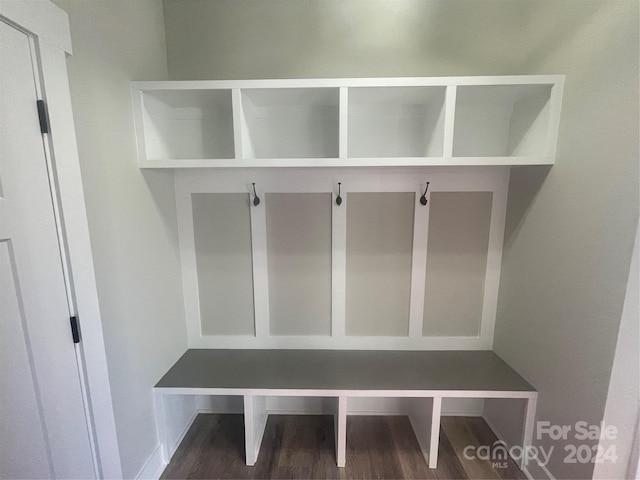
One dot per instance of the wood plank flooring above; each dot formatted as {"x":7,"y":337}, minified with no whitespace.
{"x":302,"y":447}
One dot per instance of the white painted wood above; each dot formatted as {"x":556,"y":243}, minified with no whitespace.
{"x":153,"y":467}
{"x":350,"y":82}
{"x":341,"y":432}
{"x":91,"y":355}
{"x":396,"y":121}
{"x":529,"y":425}
{"x":502,"y":120}
{"x":186,"y":237}
{"x":338,"y":263}
{"x":449,"y":122}
{"x":255,"y":421}
{"x":292,"y":123}
{"x":161,"y":420}
{"x":260,"y":265}
{"x":41,"y":18}
{"x":419,"y":261}
{"x":554,"y":118}
{"x":296,"y":181}
{"x":345,"y":343}
{"x":46,"y":431}
{"x":350,"y":162}
{"x":290,"y":392}
{"x":238,"y":123}
{"x":279,"y":405}
{"x":369,"y":122}
{"x":423,"y":409}
{"x":420,"y":413}
{"x":182,"y":124}
{"x":249,"y":431}
{"x":343,"y":138}
{"x":494,"y":258}
{"x":435,"y":432}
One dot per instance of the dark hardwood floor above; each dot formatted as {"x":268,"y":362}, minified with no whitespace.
{"x":302,"y":447}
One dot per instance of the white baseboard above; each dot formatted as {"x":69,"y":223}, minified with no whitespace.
{"x":153,"y":467}
{"x":535,"y":470}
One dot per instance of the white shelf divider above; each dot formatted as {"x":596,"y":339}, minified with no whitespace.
{"x":338,"y":264}
{"x":260,"y":268}
{"x":344,"y":123}
{"x":419,"y":262}
{"x":238,"y":121}
{"x":449,"y":122}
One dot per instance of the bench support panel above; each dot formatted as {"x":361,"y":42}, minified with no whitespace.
{"x":255,"y":421}
{"x":340,"y":428}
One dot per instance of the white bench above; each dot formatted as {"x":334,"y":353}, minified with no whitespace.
{"x":424,"y":378}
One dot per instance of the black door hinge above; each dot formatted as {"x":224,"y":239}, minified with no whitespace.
{"x":75,"y":331}
{"x":43,"y":115}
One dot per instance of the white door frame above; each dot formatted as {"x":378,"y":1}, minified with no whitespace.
{"x":48,"y":26}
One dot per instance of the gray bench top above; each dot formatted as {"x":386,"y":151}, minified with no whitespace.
{"x":343,"y":370}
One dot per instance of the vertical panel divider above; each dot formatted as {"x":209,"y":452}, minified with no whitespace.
{"x":260,"y":267}
{"x":338,"y":264}
{"x":419,"y":263}
{"x":343,"y":136}
{"x":449,"y":120}
{"x":236,"y":107}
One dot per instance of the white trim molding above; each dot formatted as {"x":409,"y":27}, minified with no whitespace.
{"x":480,"y":179}
{"x":48,"y":27}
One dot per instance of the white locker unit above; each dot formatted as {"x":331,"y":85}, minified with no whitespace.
{"x":344,"y":215}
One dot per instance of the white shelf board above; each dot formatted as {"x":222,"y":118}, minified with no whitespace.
{"x":348,"y":82}
{"x":348,"y":162}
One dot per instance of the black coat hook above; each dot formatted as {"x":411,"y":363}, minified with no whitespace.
{"x":339,"y":198}
{"x":256,"y":199}
{"x":423,"y":198}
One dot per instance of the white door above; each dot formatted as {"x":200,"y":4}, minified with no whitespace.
{"x":43,"y":428}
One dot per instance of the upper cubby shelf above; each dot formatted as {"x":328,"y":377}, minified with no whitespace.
{"x":396,"y":122}
{"x":290,"y":123}
{"x":439,"y":121}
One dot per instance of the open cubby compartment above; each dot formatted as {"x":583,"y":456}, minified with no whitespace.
{"x":502,"y":120}
{"x":187,"y":124}
{"x":396,"y":121}
{"x":290,"y":123}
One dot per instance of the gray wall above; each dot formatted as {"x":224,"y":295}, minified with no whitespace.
{"x":568,"y":245}
{"x":569,"y":239}
{"x":131,"y":214}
